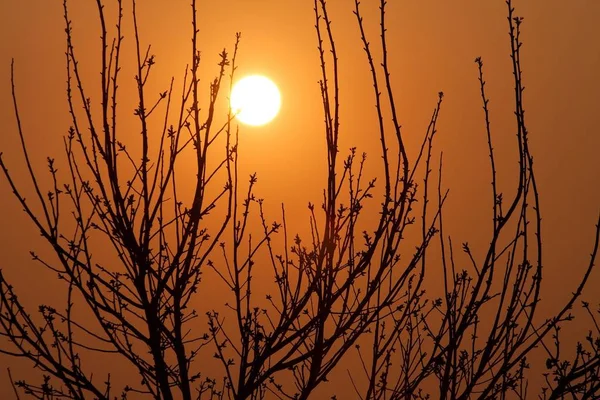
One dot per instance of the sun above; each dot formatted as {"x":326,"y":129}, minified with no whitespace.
{"x":255,"y":100}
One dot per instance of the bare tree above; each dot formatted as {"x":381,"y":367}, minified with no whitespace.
{"x":447,"y":339}
{"x":348,"y":286}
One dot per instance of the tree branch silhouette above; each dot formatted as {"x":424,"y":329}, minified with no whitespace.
{"x":349,"y":289}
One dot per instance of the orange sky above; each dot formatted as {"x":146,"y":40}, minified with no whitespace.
{"x":432,"y":47}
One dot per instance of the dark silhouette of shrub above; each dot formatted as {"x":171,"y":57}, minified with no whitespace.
{"x":346,"y":287}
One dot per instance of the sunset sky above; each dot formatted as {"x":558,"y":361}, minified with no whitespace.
{"x":432,"y":47}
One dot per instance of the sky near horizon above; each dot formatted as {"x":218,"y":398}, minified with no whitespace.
{"x":432,"y":47}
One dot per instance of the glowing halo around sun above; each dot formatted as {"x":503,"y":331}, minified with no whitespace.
{"x":255,"y":100}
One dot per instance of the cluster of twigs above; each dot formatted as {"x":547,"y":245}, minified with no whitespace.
{"x":349,"y":287}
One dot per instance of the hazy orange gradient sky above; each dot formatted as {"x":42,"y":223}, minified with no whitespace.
{"x":432,"y":47}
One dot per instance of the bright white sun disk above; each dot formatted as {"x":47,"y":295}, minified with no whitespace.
{"x":255,"y":100}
